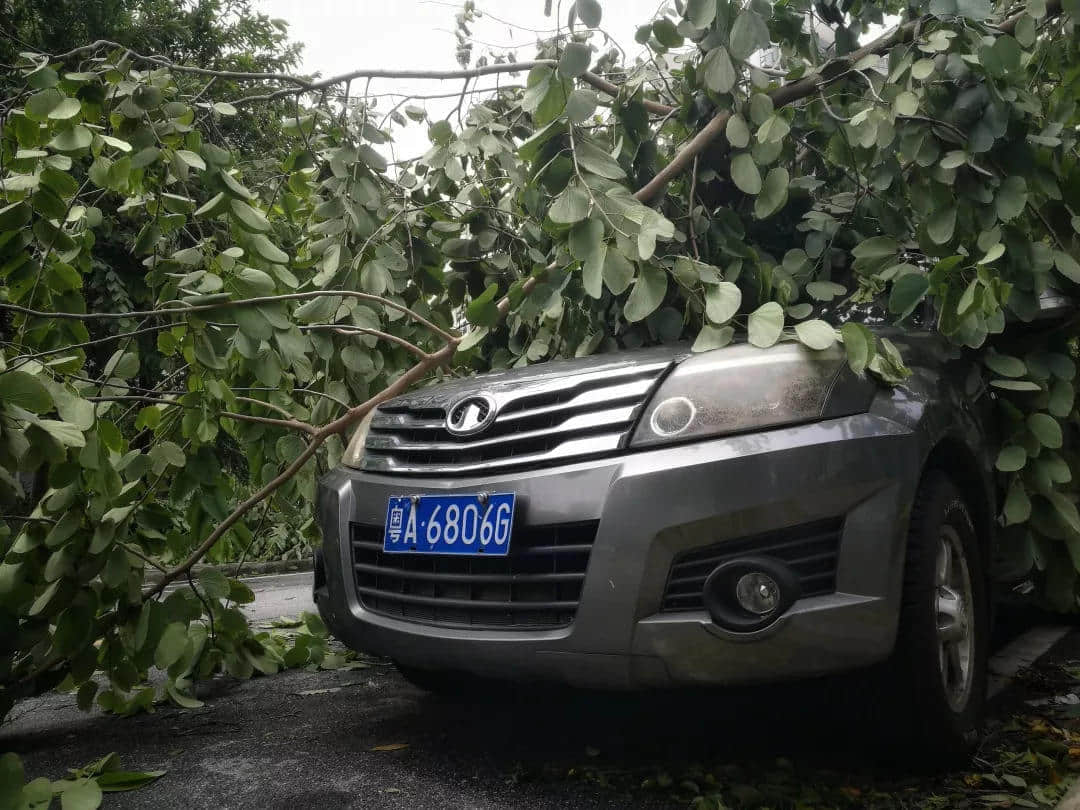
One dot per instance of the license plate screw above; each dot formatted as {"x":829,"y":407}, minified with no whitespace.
{"x":415,"y":500}
{"x":483,"y":498}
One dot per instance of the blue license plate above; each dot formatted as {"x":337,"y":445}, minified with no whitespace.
{"x":449,"y":524}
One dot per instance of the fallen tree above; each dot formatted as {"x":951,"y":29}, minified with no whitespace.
{"x":755,"y":167}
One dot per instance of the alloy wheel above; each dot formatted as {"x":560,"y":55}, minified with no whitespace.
{"x":955,"y":611}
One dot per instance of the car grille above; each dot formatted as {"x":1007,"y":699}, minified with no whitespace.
{"x":536,"y":586}
{"x":549,"y":421}
{"x":810,"y":549}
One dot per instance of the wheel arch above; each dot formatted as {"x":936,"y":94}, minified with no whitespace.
{"x":957,"y":460}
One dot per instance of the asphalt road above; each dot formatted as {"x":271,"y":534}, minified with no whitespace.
{"x":365,"y":738}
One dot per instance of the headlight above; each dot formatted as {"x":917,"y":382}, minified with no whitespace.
{"x":354,"y":453}
{"x":741,"y":388}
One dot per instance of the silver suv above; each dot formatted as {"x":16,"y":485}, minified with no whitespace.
{"x":657,"y":518}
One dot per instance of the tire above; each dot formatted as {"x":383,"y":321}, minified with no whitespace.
{"x":942,"y":645}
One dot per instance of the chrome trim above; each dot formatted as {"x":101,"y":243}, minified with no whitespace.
{"x":580,"y":448}
{"x":574,"y":424}
{"x":550,"y":416}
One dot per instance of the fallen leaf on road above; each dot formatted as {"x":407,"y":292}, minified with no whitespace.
{"x":390,"y":747}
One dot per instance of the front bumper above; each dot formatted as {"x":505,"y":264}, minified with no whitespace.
{"x":652,"y":505}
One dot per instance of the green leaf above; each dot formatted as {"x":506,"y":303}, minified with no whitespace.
{"x":907,"y":292}
{"x":954,"y":159}
{"x":234,"y":186}
{"x":12,"y":777}
{"x":858,"y":345}
{"x":82,"y":794}
{"x":594,"y":159}
{"x":250,"y":219}
{"x":722,"y":301}
{"x":716,"y":69}
{"x":737,"y":132}
{"x":766,"y":324}
{"x":39,"y":105}
{"x":701,"y":13}
{"x":25,"y":391}
{"x":744,"y":173}
{"x":647,"y":294}
{"x":1015,"y":385}
{"x":618,"y":271}
{"x":214,"y":206}
{"x":907,"y":103}
{"x":941,"y":225}
{"x":876,"y":247}
{"x":712,"y":337}
{"x":72,"y":140}
{"x":1004,"y":364}
{"x":1011,"y":198}
{"x":816,"y":334}
{"x":473,"y":338}
{"x":483,"y":310}
{"x":1046,"y":429}
{"x":191,"y":160}
{"x":589,"y":12}
{"x":666,"y":33}
{"x":1017,"y":507}
{"x":993,"y":254}
{"x":922,"y":69}
{"x":1066,"y":510}
{"x":748,"y":34}
{"x":1067,"y":266}
{"x":268,"y":250}
{"x":118,"y":781}
{"x":1062,"y":398}
{"x":173,"y":644}
{"x":1011,"y":458}
{"x":580,"y":106}
{"x":575,"y":60}
{"x":774,"y":193}
{"x":147,"y":96}
{"x":825,"y":290}
{"x":68,"y":108}
{"x":571,"y":206}
{"x":774,"y":129}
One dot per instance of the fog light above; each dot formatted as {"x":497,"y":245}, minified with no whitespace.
{"x":749,"y":593}
{"x":757,"y":593}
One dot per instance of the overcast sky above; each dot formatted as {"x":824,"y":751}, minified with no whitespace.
{"x":344,"y":35}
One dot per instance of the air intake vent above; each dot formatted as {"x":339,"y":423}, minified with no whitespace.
{"x":536,"y":586}
{"x":810,"y":549}
{"x":546,"y":420}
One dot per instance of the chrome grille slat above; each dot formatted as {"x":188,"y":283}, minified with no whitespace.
{"x":544,"y":419}
{"x":581,"y":422}
{"x":579,"y":448}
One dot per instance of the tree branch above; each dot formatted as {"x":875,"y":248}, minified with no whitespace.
{"x":796,"y":91}
{"x":227,"y":303}
{"x":339,"y":425}
{"x":302,"y":85}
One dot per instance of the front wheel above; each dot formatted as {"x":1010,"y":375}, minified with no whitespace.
{"x":943,"y":638}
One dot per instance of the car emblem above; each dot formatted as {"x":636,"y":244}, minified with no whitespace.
{"x":471,"y":415}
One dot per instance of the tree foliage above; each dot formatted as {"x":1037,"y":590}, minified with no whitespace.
{"x":760,"y":172}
